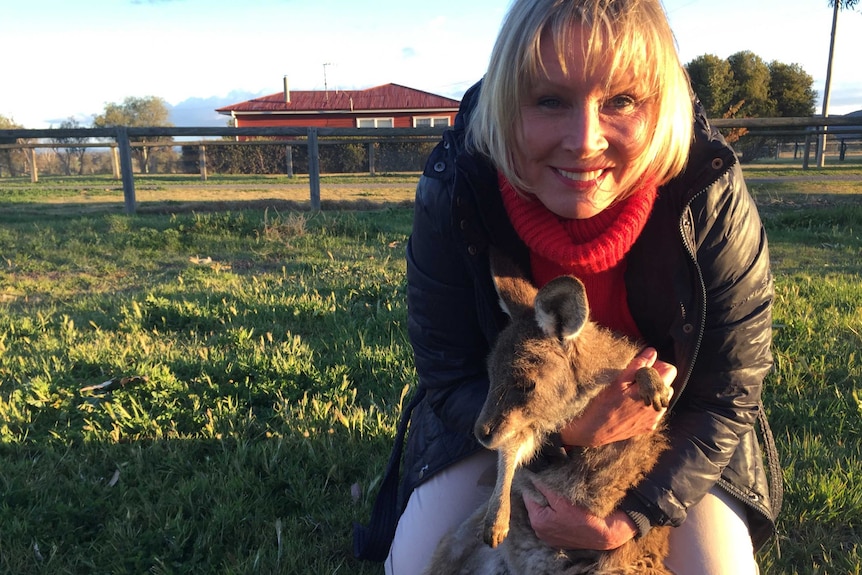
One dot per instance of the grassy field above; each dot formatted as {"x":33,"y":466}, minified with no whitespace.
{"x":265,"y":363}
{"x":157,"y":193}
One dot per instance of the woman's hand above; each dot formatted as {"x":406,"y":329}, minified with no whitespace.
{"x":565,"y":526}
{"x":618,"y":412}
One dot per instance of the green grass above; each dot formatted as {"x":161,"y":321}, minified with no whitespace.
{"x":273,"y":362}
{"x":165,"y":194}
{"x":788,"y":166}
{"x":50,"y":185}
{"x":814,"y":395}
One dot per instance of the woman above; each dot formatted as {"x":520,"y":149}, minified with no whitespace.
{"x":584,"y":152}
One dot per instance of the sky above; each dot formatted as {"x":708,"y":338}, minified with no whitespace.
{"x":66,"y":59}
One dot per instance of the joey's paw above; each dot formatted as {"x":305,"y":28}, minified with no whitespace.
{"x":494,"y":534}
{"x":652,"y":389}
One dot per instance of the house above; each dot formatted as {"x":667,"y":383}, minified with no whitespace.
{"x":386,"y":106}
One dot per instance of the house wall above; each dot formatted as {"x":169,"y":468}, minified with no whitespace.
{"x":401,"y":120}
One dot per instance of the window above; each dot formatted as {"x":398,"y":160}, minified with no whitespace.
{"x":430,"y":121}
{"x":375,"y":123}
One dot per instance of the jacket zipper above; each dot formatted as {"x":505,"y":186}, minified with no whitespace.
{"x":685,"y":222}
{"x":736,"y":493}
{"x":685,"y":225}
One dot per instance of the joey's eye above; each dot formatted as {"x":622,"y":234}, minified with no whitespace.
{"x":525,"y":385}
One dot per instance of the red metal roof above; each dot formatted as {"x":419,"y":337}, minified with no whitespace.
{"x":385,"y":97}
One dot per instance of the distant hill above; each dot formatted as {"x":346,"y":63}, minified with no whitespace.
{"x":200,"y":112}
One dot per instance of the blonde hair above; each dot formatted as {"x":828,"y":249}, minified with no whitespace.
{"x":634,"y":36}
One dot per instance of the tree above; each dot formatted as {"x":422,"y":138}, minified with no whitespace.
{"x":10,"y":159}
{"x":745,"y":86}
{"x":67,"y":152}
{"x":836,"y":6}
{"x":137,"y":112}
{"x":751,"y":75}
{"x":791,"y":91}
{"x":712,"y":80}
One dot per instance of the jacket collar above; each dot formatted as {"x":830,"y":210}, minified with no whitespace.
{"x":709,"y":158}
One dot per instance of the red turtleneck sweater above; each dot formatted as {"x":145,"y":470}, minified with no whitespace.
{"x":591,"y":249}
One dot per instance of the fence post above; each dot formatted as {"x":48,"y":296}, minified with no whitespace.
{"x":288,"y":158}
{"x":125,"y":149}
{"x":371,"y":159}
{"x":34,"y":169}
{"x":115,"y":162}
{"x":202,"y":161}
{"x":821,"y":148}
{"x":807,"y":153}
{"x":314,"y":168}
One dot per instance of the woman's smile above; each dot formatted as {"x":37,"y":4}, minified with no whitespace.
{"x":581,"y":176}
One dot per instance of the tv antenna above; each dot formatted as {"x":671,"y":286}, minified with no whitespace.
{"x":325,"y":85}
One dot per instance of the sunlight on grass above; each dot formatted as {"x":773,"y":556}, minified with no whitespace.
{"x":217,"y":391}
{"x":812,"y":395}
{"x":270,"y":370}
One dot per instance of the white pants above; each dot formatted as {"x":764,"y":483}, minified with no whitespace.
{"x":713,"y":540}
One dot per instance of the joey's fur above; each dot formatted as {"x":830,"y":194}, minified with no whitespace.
{"x":545,"y":367}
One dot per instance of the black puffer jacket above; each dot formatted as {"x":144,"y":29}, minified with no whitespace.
{"x":699,"y":288}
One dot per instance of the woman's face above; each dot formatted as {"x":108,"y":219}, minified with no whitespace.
{"x":577,"y":139}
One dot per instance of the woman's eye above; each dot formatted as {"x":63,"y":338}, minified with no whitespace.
{"x":549,"y":102}
{"x":621,"y":102}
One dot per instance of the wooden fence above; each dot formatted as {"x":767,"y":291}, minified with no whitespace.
{"x":120,"y":140}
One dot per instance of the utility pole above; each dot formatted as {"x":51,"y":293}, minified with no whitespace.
{"x":821,"y":148}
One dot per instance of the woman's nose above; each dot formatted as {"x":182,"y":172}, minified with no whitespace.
{"x":584,"y":132}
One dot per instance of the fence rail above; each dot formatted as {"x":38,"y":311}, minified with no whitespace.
{"x":119,"y":139}
{"x":122,"y":142}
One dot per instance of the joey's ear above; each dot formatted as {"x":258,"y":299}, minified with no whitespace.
{"x":515,"y":290}
{"x":561,"y":308}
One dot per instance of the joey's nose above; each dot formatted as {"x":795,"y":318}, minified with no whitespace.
{"x":483,"y":432}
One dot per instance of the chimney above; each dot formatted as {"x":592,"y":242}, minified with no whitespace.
{"x":286,"y":92}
